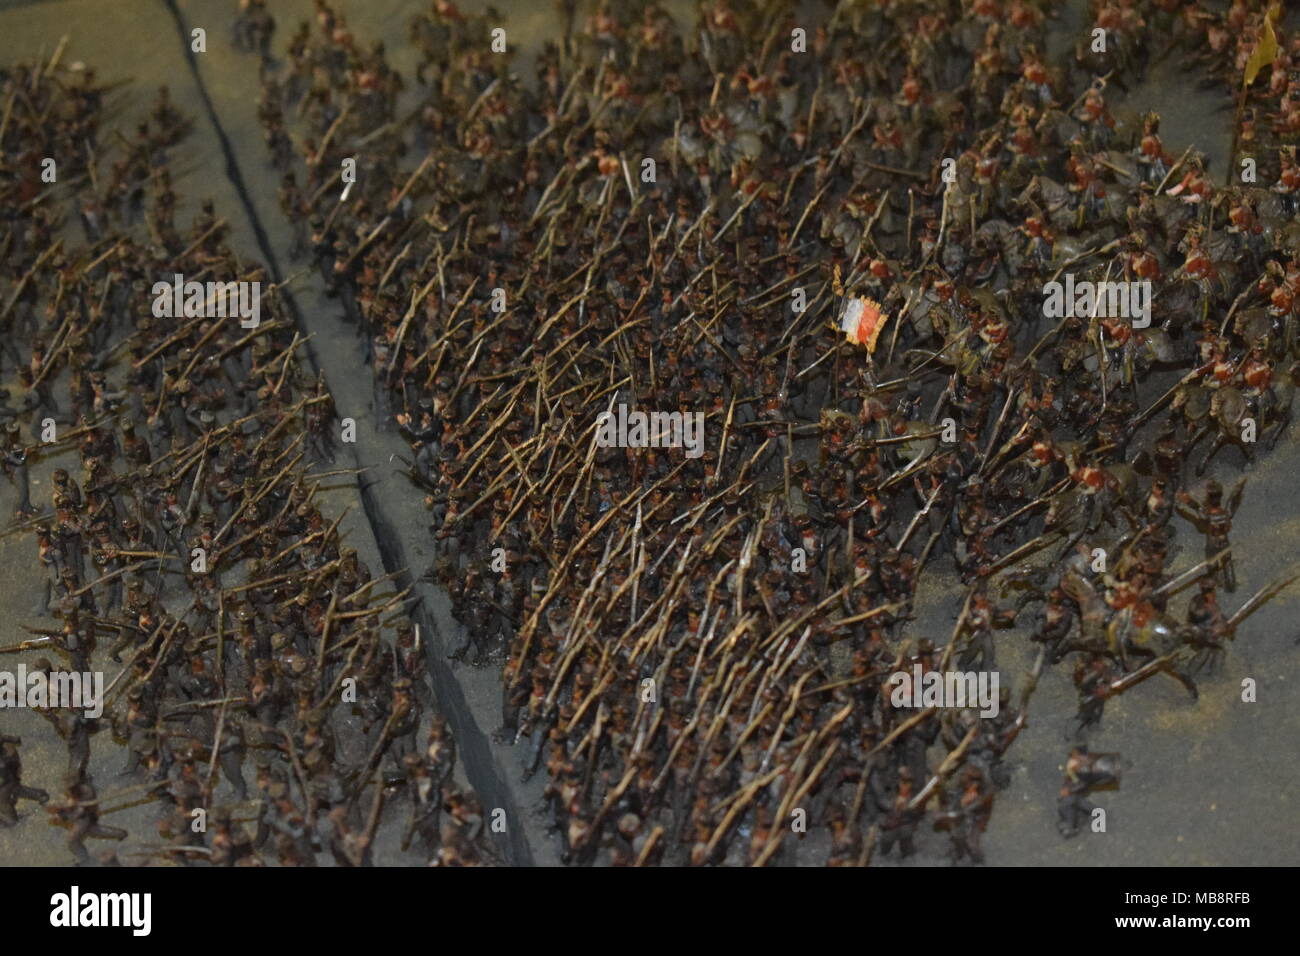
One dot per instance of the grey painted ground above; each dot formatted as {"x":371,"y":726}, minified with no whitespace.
{"x":1211,"y":783}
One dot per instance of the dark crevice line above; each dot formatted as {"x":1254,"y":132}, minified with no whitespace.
{"x":475,"y":751}
{"x":472,"y":743}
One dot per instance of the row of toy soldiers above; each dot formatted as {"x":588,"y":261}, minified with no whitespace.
{"x":192,"y":545}
{"x":763,"y":589}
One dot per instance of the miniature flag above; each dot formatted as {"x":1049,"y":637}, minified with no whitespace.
{"x":1265,"y":49}
{"x":862,"y":321}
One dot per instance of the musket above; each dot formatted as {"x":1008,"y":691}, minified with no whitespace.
{"x":172,"y":339}
{"x":446,"y":336}
{"x":411,"y":180}
{"x":901,"y":729}
{"x":246,"y":503}
{"x":869,"y":846}
{"x":35,"y":642}
{"x":282,"y":357}
{"x":1181,"y":159}
{"x":193,"y":447}
{"x":462,"y":427}
{"x":100,"y":258}
{"x":324,"y":636}
{"x":201,"y":704}
{"x":1022,"y":717}
{"x":277,"y":578}
{"x":1142,"y":673}
{"x":492,"y":429}
{"x":286,"y":418}
{"x":1036,"y":503}
{"x":1177,"y":584}
{"x":377,"y":752}
{"x":22,"y":283}
{"x":303,"y":786}
{"x":199,"y":241}
{"x":334,"y":177}
{"x":644,"y":856}
{"x":1170,"y":393}
{"x":567,"y":563}
{"x":221,"y":639}
{"x":75,"y":433}
{"x":285,"y":358}
{"x":361,"y":246}
{"x":916,"y":519}
{"x":614,"y":795}
{"x":372,"y":821}
{"x":416,"y":299}
{"x":255,"y":532}
{"x":1258,"y":598}
{"x":738,"y":802}
{"x":950,"y":763}
{"x":24,"y":525}
{"x":315,"y":158}
{"x":326,"y":533}
{"x":57,"y":344}
{"x":149,"y":850}
{"x":137,"y":788}
{"x":997,"y":430}
{"x":164,"y":646}
{"x":393,"y":263}
{"x":1029,"y":547}
{"x":867,"y":615}
{"x":288,"y":449}
{"x":339,"y":471}
{"x":9,"y":109}
{"x":338,"y":681}
{"x":198,"y":482}
{"x":112,"y":574}
{"x":491,"y":489}
{"x":239,"y":343}
{"x":131,"y":663}
{"x":786,"y":716}
{"x":794,"y":795}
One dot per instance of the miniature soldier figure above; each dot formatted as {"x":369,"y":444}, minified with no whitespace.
{"x":980,"y":621}
{"x":231,"y":755}
{"x":51,"y":564}
{"x":80,"y":810}
{"x":1054,"y":623}
{"x":1092,"y":679}
{"x":13,"y":456}
{"x":411,"y":662}
{"x":899,"y":823}
{"x":231,"y":845}
{"x":135,"y":449}
{"x":320,"y":418}
{"x":426,"y":803}
{"x":74,"y":728}
{"x":1206,"y":624}
{"x":11,"y":781}
{"x":1084,"y":773}
{"x":968,"y":816}
{"x":1213,"y":518}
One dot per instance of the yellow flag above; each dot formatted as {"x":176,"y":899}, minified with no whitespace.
{"x":1265,"y":49}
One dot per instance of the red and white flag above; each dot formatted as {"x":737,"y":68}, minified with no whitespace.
{"x":862,"y":320}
